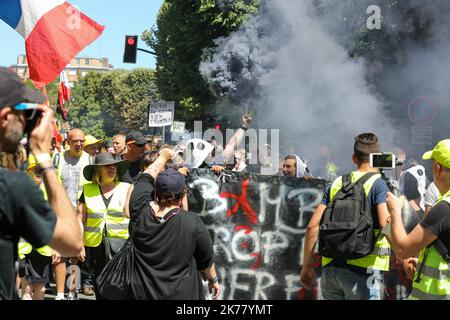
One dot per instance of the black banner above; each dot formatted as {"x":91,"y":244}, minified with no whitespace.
{"x":257,"y":224}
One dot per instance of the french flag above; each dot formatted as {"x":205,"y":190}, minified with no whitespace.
{"x":54,"y":31}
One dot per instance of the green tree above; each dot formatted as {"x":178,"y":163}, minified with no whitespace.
{"x":84,"y":107}
{"x":113,"y":102}
{"x":52,"y":91}
{"x":139,"y":91}
{"x":184,"y":30}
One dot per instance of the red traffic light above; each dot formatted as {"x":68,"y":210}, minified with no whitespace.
{"x":218,"y":127}
{"x":131,"y":43}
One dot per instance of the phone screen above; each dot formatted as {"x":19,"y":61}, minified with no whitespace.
{"x":382,"y":160}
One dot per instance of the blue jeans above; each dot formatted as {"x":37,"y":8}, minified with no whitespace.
{"x":341,"y":283}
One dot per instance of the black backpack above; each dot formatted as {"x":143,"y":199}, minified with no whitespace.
{"x":346,"y":229}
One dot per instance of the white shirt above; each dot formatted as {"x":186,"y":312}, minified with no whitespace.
{"x":432,"y":195}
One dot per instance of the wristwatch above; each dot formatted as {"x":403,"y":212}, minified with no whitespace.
{"x":41,"y":169}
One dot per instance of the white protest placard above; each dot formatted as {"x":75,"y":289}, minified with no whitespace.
{"x":178,"y":126}
{"x":160,"y":114}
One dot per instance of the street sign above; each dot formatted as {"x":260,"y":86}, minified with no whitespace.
{"x":178,"y":126}
{"x":160,"y":114}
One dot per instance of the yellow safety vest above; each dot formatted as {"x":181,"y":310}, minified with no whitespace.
{"x":379,"y":258}
{"x":99,"y":217}
{"x":25,"y":248}
{"x":434,"y":283}
{"x":331,"y":167}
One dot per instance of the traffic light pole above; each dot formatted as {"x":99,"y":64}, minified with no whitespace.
{"x":151,"y":52}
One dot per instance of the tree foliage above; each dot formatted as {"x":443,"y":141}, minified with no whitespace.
{"x":185,"y":28}
{"x":109,"y":103}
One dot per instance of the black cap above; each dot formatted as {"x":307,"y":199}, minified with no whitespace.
{"x":170,"y":180}
{"x":13,"y":91}
{"x":136,"y":137}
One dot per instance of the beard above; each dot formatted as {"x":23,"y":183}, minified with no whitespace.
{"x":12,"y":138}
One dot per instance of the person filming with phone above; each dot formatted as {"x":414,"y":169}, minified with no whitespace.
{"x":430,"y":239}
{"x":348,"y":226}
{"x":23,"y":210}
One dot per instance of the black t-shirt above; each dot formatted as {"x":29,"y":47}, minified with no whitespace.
{"x":131,"y":175}
{"x":167,"y":255}
{"x":437,"y":221}
{"x":23,"y":213}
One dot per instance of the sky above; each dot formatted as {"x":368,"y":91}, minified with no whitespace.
{"x":131,"y":17}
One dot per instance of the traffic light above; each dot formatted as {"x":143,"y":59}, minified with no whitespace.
{"x":218,"y":126}
{"x":130,"y":49}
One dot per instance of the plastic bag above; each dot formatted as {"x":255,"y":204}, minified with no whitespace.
{"x":115,"y":279}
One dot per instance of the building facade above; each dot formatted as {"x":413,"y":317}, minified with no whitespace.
{"x":78,"y":67}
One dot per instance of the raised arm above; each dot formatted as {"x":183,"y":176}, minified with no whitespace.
{"x":156,"y":167}
{"x":237,"y":139}
{"x":406,"y":245}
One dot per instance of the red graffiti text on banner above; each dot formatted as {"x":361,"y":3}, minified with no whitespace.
{"x":241,"y":200}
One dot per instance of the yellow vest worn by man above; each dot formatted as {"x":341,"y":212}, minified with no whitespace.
{"x":378,"y":259}
{"x":434,"y":282}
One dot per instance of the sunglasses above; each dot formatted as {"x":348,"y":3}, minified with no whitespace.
{"x":32,"y":114}
{"x":31,"y":109}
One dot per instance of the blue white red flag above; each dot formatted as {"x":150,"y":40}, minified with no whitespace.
{"x":54,"y":31}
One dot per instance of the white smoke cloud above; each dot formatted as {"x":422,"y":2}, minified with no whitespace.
{"x":292,"y":64}
{"x":306,"y":83}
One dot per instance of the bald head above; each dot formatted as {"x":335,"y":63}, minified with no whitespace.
{"x":75,"y":132}
{"x":76,"y":141}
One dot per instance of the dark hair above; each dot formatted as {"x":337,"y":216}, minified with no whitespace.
{"x":167,"y":199}
{"x":291,"y":157}
{"x":365,"y":144}
{"x":147,"y":158}
{"x":107,"y":144}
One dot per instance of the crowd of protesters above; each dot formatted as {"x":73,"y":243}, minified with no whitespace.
{"x":87,"y":196}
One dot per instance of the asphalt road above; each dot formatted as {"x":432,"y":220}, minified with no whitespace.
{"x":50,"y":294}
